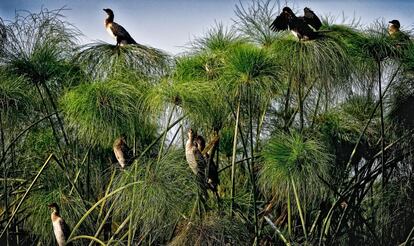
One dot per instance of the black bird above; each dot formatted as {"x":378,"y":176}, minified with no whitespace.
{"x":117,"y":31}
{"x":197,"y":163}
{"x":394,"y":27}
{"x":122,"y":152}
{"x":194,"y":157}
{"x":395,"y":32}
{"x":312,"y":19}
{"x":200,"y":142}
{"x":304,"y":27}
{"x":212,"y":175}
{"x":60,"y":228}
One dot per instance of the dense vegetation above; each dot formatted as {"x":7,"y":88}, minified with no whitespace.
{"x":314,"y":136}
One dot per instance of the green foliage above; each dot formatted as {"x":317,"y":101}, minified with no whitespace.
{"x":39,"y":144}
{"x":378,"y":45}
{"x":408,"y":57}
{"x":71,"y":209}
{"x":292,"y":155}
{"x":340,"y":130}
{"x":252,"y":65}
{"x":102,"y":111}
{"x":343,"y":124}
{"x":212,"y":229}
{"x":322,"y":182}
{"x":38,"y":46}
{"x":206,"y":66}
{"x":252,"y":76}
{"x":401,"y":105}
{"x":253,"y":21}
{"x":217,"y":39}
{"x":15,"y":97}
{"x":101,"y":60}
{"x":353,"y":41}
{"x":324,"y":60}
{"x":166,"y":193}
{"x":226,"y":140}
{"x":196,"y":88}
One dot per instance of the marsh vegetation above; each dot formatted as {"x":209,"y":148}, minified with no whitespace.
{"x":312,"y":138}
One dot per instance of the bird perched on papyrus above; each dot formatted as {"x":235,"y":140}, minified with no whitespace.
{"x":117,"y":31}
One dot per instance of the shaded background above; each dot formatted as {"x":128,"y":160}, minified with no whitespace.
{"x":171,"y":24}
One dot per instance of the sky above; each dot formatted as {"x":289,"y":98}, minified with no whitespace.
{"x":171,"y":24}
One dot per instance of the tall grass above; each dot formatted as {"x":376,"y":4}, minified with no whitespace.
{"x":312,"y":138}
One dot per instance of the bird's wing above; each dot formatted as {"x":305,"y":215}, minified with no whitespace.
{"x":312,"y":19}
{"x":120,"y":32}
{"x":280,"y":23}
{"x":401,"y":36}
{"x":119,"y":154}
{"x":127,"y":151}
{"x":299,"y":25}
{"x":213,"y":173}
{"x":65,"y":228}
{"x":201,"y":162}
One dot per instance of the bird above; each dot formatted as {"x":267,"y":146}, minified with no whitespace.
{"x":304,"y":27}
{"x":393,"y":27}
{"x":200,"y":142}
{"x":117,"y":31}
{"x":197,"y":163}
{"x":395,"y":32}
{"x":122,"y":152}
{"x":312,"y":19}
{"x":195,"y":158}
{"x":212,"y":173}
{"x":60,"y":228}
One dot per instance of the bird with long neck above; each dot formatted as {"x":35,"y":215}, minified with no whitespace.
{"x":393,"y":27}
{"x":193,"y":155}
{"x":398,"y":37}
{"x":122,"y":152}
{"x":60,"y":228}
{"x":117,"y":31}
{"x":197,"y":163}
{"x":212,"y":173}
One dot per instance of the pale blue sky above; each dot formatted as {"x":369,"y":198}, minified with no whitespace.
{"x":171,"y":24}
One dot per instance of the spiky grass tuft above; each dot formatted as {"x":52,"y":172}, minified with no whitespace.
{"x":100,"y":60}
{"x":100,"y":112}
{"x":293,"y":156}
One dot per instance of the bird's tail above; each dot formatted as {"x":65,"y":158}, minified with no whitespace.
{"x":130,"y":40}
{"x":218,"y":198}
{"x":324,"y":31}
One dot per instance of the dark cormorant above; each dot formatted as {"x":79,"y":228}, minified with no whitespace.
{"x":117,"y":31}
{"x":194,"y":157}
{"x":60,"y":228}
{"x":122,"y":152}
{"x":394,"y":27}
{"x":197,"y":163}
{"x":395,"y":32}
{"x":212,"y":177}
{"x":304,"y":27}
{"x":311,"y":19}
